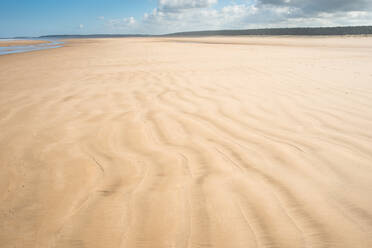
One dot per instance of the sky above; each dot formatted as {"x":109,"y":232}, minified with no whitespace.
{"x":45,"y":17}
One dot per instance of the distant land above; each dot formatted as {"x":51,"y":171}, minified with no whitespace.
{"x":350,"y":30}
{"x":306,"y":31}
{"x":354,"y":30}
{"x":77,"y":36}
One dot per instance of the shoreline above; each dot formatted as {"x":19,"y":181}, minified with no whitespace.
{"x":15,"y":42}
{"x":23,"y":46}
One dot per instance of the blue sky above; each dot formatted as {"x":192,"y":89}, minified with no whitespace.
{"x":42,"y":17}
{"x":39,"y":17}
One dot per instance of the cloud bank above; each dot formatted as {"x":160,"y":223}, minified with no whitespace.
{"x":193,"y":15}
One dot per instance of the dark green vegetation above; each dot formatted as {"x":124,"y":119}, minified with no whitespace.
{"x":356,"y":30}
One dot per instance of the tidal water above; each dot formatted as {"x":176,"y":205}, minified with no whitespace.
{"x":29,"y":48}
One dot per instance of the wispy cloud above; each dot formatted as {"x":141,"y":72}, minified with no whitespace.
{"x":177,"y":5}
{"x":127,"y":24}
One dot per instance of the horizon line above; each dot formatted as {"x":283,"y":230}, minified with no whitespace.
{"x":193,"y":31}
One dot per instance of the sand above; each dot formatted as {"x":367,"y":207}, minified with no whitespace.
{"x":6,"y":43}
{"x":203,"y":142}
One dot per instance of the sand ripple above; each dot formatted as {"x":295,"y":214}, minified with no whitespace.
{"x":223,"y":142}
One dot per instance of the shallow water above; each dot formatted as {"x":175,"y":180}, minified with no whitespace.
{"x":29,"y":48}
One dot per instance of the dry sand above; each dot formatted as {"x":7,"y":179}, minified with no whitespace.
{"x":213,"y":142}
{"x":5,"y":43}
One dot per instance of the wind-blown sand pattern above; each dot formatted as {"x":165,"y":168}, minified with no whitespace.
{"x":213,"y":142}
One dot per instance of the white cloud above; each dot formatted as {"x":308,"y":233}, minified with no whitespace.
{"x":176,"y":5}
{"x":130,"y":20}
{"x":127,"y":24}
{"x":81,"y":26}
{"x":188,"y":15}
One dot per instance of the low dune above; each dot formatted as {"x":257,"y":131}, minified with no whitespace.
{"x":197,"y":142}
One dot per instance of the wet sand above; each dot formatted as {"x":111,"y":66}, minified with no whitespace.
{"x":10,"y":43}
{"x":202,"y":142}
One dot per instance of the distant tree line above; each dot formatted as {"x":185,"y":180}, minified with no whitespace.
{"x":354,"y":30}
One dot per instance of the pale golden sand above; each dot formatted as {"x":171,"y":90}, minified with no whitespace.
{"x":21,"y":42}
{"x":213,"y":142}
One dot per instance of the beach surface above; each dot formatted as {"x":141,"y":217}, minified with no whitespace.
{"x":10,"y":43}
{"x":188,"y":142}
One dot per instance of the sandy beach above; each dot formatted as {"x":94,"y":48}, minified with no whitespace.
{"x":188,"y":142}
{"x":10,"y":43}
